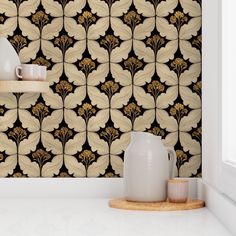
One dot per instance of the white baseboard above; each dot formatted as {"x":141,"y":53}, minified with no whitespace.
{"x":69,"y":188}
{"x":220,"y":205}
{"x":61,"y":187}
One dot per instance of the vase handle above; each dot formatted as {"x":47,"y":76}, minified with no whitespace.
{"x":19,"y":72}
{"x":172,"y":162}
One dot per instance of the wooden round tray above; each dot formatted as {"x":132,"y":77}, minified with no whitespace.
{"x":121,"y":203}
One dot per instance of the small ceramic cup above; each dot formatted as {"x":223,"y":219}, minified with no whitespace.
{"x":27,"y":72}
{"x":42,"y":73}
{"x":177,"y":190}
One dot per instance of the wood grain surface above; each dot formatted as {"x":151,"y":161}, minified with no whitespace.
{"x":121,"y":203}
{"x":24,"y":86}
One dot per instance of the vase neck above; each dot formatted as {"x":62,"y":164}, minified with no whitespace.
{"x":144,"y":137}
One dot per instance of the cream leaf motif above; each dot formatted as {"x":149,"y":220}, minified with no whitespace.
{"x":191,"y":99}
{"x":97,"y":144}
{"x":191,"y":7}
{"x":99,"y":167}
{"x":117,"y":165}
{"x":164,"y":8}
{"x":8,"y":27}
{"x":72,"y":8}
{"x":53,"y":167}
{"x":190,"y":168}
{"x":190,"y":29}
{"x":7,"y":167}
{"x":190,"y":121}
{"x":53,"y":8}
{"x":166,"y":29}
{"x":190,"y":144}
{"x":9,"y":8}
{"x":98,"y":121}
{"x":30,"y":168}
{"x":120,"y":7}
{"x":75,"y":168}
{"x":28,"y":7}
{"x":144,"y":121}
{"x":147,"y":9}
{"x":189,"y":52}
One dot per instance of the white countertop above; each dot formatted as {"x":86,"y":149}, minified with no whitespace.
{"x":93,"y":217}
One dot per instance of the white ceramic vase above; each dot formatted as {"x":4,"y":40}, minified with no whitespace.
{"x":147,"y":168}
{"x":8,"y":60}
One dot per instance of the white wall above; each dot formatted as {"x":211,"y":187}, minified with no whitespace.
{"x":211,"y":100}
{"x":209,"y":189}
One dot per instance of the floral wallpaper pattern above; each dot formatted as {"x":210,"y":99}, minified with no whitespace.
{"x":113,"y":66}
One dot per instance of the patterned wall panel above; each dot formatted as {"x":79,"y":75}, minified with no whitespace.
{"x":113,"y":66}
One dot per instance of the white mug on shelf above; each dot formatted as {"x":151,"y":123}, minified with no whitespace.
{"x":42,"y":73}
{"x":28,"y":72}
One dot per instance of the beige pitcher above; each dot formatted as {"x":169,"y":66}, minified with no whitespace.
{"x":147,"y":168}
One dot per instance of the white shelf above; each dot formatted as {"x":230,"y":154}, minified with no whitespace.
{"x":24,"y":86}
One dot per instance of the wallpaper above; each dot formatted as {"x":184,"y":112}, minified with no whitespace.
{"x":113,"y":66}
